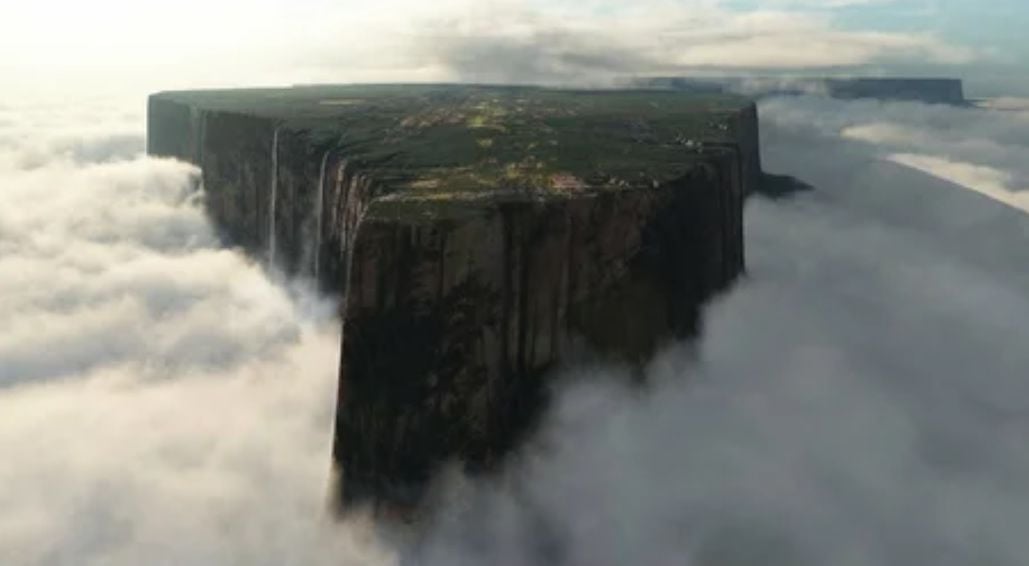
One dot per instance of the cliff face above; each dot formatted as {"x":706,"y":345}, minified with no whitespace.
{"x":475,"y":238}
{"x":480,"y":306}
{"x":930,"y":91}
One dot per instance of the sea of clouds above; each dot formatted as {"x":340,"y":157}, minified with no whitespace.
{"x":859,"y":399}
{"x":162,"y":400}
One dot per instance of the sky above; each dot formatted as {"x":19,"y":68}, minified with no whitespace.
{"x":114,"y":45}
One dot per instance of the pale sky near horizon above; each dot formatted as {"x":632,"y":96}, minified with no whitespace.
{"x":111,"y":43}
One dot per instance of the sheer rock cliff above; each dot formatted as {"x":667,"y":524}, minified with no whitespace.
{"x":475,"y":237}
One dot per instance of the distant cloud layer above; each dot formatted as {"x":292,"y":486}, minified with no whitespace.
{"x":492,"y":40}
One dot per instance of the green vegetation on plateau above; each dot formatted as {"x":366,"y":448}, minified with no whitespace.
{"x":436,"y":141}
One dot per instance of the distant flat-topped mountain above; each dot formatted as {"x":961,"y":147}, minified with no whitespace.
{"x":928,"y":90}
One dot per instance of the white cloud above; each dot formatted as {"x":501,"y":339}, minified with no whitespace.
{"x":115,"y":43}
{"x":161,"y":399}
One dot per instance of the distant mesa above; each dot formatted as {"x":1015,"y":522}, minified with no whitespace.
{"x":927,"y":90}
{"x":475,"y":237}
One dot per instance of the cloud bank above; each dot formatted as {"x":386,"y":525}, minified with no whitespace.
{"x":162,"y":401}
{"x":858,"y":400}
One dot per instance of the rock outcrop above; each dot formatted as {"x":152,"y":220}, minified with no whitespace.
{"x":475,"y":236}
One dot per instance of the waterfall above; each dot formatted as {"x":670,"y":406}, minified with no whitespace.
{"x":348,"y":258}
{"x":319,"y":211}
{"x":274,"y":196}
{"x":353,"y":210}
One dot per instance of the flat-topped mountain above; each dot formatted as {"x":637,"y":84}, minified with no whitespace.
{"x":476,"y":236}
{"x":927,"y":90}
